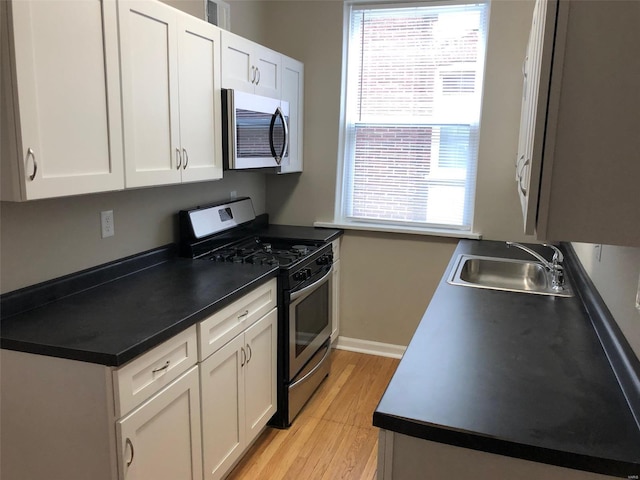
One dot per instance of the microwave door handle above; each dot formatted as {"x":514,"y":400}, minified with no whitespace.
{"x":276,"y":114}
{"x":285,"y":145}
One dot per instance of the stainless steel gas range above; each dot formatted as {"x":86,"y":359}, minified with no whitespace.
{"x":229,"y":232}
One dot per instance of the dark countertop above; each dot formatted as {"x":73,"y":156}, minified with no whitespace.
{"x":314,"y":234}
{"x":112,"y":313}
{"x":115,"y":321}
{"x":514,"y":374}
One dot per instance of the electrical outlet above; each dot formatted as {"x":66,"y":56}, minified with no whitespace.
{"x":233,"y":194}
{"x":106,"y":222}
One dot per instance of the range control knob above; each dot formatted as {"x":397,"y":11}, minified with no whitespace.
{"x":302,"y":274}
{"x":323,"y":260}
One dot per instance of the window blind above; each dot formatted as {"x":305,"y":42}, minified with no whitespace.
{"x":414,"y":85}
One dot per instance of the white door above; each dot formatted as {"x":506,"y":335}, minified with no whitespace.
{"x":238,"y":70}
{"x":161,"y":439}
{"x":223,"y":398}
{"x":149,"y":55}
{"x":534,"y":116}
{"x":70,"y":134}
{"x":260,"y":373}
{"x":293,"y":92}
{"x":268,"y":65}
{"x":200,"y":101}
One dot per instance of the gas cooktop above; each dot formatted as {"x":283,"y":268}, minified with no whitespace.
{"x":258,"y":252}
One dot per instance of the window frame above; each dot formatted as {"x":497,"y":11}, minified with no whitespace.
{"x":346,"y":144}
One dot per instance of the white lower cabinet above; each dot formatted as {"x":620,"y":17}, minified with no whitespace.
{"x":161,"y":439}
{"x":161,"y":416}
{"x":238,"y":386}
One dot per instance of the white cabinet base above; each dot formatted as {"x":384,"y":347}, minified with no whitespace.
{"x":401,"y":457}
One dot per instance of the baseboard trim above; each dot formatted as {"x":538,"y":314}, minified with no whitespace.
{"x":370,"y":347}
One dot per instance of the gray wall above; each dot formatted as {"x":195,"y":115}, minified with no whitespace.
{"x":45,"y":239}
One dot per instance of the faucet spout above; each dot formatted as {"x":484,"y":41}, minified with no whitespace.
{"x":533,"y":253}
{"x":555,"y":266}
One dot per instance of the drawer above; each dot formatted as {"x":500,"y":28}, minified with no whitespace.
{"x":145,"y":375}
{"x":225,"y":324}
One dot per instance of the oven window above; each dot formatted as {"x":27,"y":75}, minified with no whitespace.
{"x":312,"y":316}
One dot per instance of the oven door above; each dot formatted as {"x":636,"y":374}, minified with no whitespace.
{"x":309,"y":321}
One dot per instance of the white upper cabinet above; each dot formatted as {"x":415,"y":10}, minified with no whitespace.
{"x":250,"y":67}
{"x":578,"y":163}
{"x":293,"y":92}
{"x":200,"y":100}
{"x":61,"y":125}
{"x":536,"y":65}
{"x":171,"y":95}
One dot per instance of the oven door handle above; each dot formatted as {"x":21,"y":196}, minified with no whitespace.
{"x":313,"y":370}
{"x":299,"y":293}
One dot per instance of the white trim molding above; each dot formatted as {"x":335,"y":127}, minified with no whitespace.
{"x":369,"y":347}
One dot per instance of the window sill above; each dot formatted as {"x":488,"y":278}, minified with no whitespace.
{"x":372,"y":227}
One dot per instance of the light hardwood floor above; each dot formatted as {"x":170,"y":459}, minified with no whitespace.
{"x":333,"y":437}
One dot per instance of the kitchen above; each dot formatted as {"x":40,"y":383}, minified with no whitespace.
{"x":49,"y":238}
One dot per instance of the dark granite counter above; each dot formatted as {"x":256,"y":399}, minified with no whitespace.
{"x":514,"y":374}
{"x":292,"y":232}
{"x":119,"y":318}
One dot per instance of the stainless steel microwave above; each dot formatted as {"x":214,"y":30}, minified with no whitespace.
{"x":255,"y":131}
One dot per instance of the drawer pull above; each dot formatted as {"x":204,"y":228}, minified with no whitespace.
{"x":130,"y":443}
{"x":164,"y":367}
{"x":243,"y":314}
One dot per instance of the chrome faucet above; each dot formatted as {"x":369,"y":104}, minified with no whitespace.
{"x":555,"y":266}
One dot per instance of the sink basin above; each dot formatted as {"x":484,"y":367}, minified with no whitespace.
{"x":505,"y":274}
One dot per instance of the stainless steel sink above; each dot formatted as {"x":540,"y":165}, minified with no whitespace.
{"x":506,"y":274}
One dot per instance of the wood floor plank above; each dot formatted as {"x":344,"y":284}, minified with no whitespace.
{"x":333,"y":437}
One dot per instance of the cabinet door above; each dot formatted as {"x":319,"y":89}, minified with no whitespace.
{"x":68,"y":118}
{"x":200,"y":100}
{"x":260,"y":374}
{"x":537,"y":71}
{"x":223,"y":399}
{"x":149,"y":50}
{"x":293,"y":92}
{"x":268,"y":65}
{"x":238,"y":70}
{"x":161,"y":440}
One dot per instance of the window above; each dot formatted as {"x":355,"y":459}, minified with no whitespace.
{"x":413,"y":97}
